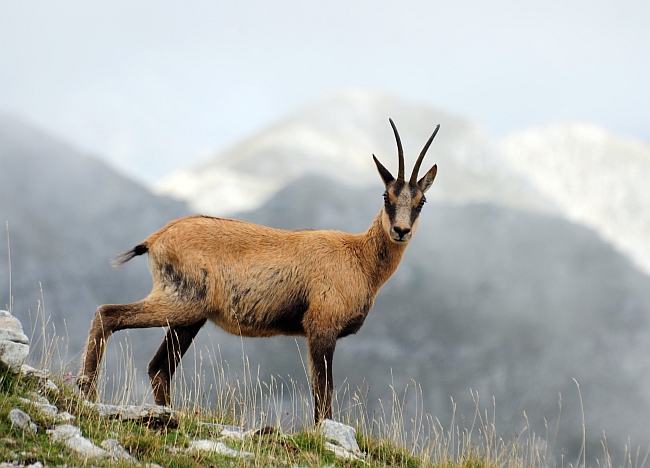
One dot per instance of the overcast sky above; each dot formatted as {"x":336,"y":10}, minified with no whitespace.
{"x":157,"y":85}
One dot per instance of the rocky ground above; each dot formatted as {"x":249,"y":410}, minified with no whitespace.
{"x":14,"y":349}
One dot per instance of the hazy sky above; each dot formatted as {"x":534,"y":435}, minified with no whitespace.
{"x":158,"y":85}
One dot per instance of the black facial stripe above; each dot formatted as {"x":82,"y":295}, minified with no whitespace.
{"x":391,"y":210}
{"x":415,"y":210}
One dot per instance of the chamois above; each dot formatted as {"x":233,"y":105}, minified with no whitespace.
{"x":256,"y":281}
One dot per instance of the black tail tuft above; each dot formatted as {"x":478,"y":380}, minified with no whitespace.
{"x":129,"y":254}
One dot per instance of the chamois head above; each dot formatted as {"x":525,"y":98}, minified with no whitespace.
{"x":403,"y":200}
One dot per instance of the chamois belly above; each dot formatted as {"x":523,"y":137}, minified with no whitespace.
{"x":356,"y":318}
{"x":268,"y":306}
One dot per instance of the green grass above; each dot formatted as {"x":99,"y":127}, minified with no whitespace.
{"x":243,"y":399}
{"x":167,"y":446}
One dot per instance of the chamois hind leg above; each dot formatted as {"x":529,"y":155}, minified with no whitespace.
{"x":321,"y":354}
{"x":110,"y":318}
{"x":163,"y":365}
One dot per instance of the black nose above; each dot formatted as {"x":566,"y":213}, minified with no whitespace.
{"x":401,"y":231}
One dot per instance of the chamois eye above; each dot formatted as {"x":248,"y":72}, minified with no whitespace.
{"x":386,"y":197}
{"x":422,"y":202}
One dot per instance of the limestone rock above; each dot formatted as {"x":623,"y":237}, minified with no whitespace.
{"x":22,"y":420}
{"x":340,"y":452}
{"x":342,"y":434}
{"x":14,"y":344}
{"x":74,"y":440}
{"x":227,"y":431}
{"x":30,"y":371}
{"x":132,"y":412}
{"x":43,"y":405}
{"x":86,"y":448}
{"x":65,"y":417}
{"x":11,"y":329}
{"x":33,"y":396}
{"x":116,"y":450}
{"x":45,"y":408}
{"x":64,"y":431}
{"x":232,"y":432}
{"x":46,"y":384}
{"x":206,"y":445}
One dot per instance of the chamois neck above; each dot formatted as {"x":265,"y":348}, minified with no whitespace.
{"x":379,"y":255}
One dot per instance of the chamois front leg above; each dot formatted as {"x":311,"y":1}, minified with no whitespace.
{"x":321,"y":354}
{"x":163,"y":365}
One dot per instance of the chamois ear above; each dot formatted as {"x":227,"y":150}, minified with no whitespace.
{"x":386,"y":176}
{"x":425,"y":182}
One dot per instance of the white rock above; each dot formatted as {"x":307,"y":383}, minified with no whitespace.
{"x":38,"y":398}
{"x":228,"y":431}
{"x":22,"y":420}
{"x":11,"y":329}
{"x":205,"y":445}
{"x":73,"y":439}
{"x":65,"y":417}
{"x":7,"y":334}
{"x":129,"y":412}
{"x":14,"y":344}
{"x":64,"y":431}
{"x":49,"y":410}
{"x":340,"y":433}
{"x":45,"y":408}
{"x":13,"y":354}
{"x":340,"y":452}
{"x":86,"y":448}
{"x":30,"y":371}
{"x":116,"y":450}
{"x":51,"y":386}
{"x":234,"y":435}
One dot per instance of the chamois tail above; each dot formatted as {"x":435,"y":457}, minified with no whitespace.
{"x":121,"y":259}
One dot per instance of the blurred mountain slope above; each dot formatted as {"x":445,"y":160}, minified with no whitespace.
{"x":595,"y":178}
{"x":68,"y":214}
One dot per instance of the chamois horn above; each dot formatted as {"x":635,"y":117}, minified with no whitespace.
{"x":400,"y":152}
{"x":416,"y":168}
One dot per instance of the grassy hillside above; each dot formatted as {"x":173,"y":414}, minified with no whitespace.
{"x":168,"y":444}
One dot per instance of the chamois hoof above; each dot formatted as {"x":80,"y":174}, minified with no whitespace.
{"x":86,"y":387}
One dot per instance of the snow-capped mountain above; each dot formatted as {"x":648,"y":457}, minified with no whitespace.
{"x":595,"y":178}
{"x":335,"y":137}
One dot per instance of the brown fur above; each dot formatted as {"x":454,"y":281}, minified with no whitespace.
{"x":257,"y":281}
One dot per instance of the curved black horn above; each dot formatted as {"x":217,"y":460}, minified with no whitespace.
{"x":400,"y":152}
{"x":416,"y":169}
